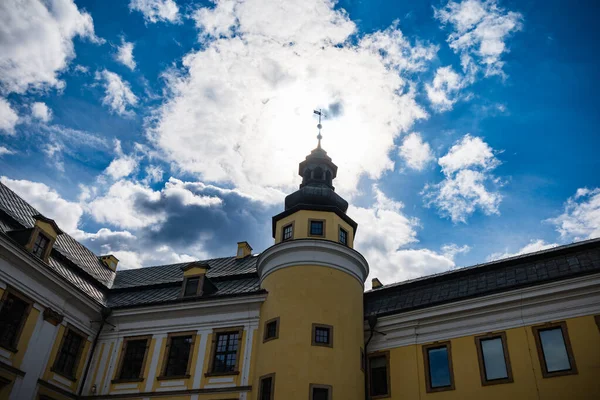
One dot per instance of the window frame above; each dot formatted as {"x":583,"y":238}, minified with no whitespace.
{"x":433,"y":346}
{"x":310,"y":221}
{"x":312,"y":386}
{"x":314,"y":332}
{"x":376,"y":354}
{"x":163,"y":368}
{"x":34,"y":235}
{"x":481,"y":359}
{"x":363,"y":359}
{"x":199,"y":290}
{"x":542,"y":358}
{"x":272,"y":376}
{"x":268,"y":339}
{"x":68,"y":329}
{"x":126,"y":340}
{"x":597,"y":318}
{"x":11,"y":291}
{"x":291,"y":224}
{"x":213,"y":351}
{"x":340,"y":229}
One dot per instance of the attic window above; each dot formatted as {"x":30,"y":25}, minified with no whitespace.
{"x":191,"y":286}
{"x":40,"y":245}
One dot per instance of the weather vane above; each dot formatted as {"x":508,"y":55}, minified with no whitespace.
{"x":319,"y":137}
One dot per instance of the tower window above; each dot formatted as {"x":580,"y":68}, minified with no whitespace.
{"x":438,"y":367}
{"x":178,"y":355}
{"x":40,"y":245}
{"x":316,"y":228}
{"x":267,"y":387}
{"x":133,"y":359}
{"x":554,"y":350}
{"x":379,"y":375}
{"x":494,"y":364}
{"x":320,"y":392}
{"x":271,"y":329}
{"x":288,"y":232}
{"x":69,"y":354}
{"x":343,"y":236}
{"x":14,"y":311}
{"x":322,"y":335}
{"x":225,"y":352}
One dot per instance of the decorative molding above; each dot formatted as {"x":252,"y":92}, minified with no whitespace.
{"x":53,"y":317}
{"x":312,"y":252}
{"x":516,"y":308}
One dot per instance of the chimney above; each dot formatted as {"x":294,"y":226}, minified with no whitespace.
{"x":376,"y":283}
{"x":243,"y":250}
{"x":110,"y":261}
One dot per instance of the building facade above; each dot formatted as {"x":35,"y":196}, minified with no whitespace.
{"x":293,"y":322}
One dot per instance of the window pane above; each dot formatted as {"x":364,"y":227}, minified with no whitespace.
{"x":179,"y":353}
{"x":439,"y":370}
{"x":133,"y":360}
{"x":316,"y":228}
{"x":271,"y":329}
{"x":191,"y":287}
{"x":322,"y":335}
{"x":66,"y":361}
{"x":493,"y":359}
{"x":320,"y":394}
{"x":226,"y":352}
{"x":11,"y":315}
{"x":265,"y":388}
{"x":287,"y":232}
{"x":39,"y":246}
{"x":555,"y":351}
{"x":343,"y":236}
{"x":378,"y":375}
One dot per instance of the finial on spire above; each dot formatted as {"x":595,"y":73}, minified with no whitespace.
{"x":319,"y":136}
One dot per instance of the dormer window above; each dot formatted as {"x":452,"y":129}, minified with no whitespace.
{"x":192,"y":287}
{"x":40,"y":245}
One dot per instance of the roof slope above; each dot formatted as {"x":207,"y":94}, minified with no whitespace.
{"x":530,"y":269}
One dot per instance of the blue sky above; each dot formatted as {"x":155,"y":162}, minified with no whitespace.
{"x":168,"y":130}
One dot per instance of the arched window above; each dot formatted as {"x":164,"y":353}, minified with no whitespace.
{"x":328,"y":177}
{"x":318,"y":173}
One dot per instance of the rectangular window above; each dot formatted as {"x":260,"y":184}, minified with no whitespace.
{"x":192,"y":286}
{"x":288,"y":232}
{"x":266,"y":387}
{"x":133,"y":358}
{"x":40,"y":245}
{"x":322,"y":335}
{"x":319,"y":392}
{"x":271,"y":329}
{"x":343,"y":236}
{"x":14,"y":311}
{"x":316,"y":228}
{"x":225,"y":352}
{"x":494,"y":363}
{"x":379,"y":375}
{"x":438,"y":367}
{"x":67,"y":360}
{"x":554,"y":349}
{"x":178,"y":355}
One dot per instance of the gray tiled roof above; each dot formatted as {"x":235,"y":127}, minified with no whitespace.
{"x":531,"y":269}
{"x":78,"y":254}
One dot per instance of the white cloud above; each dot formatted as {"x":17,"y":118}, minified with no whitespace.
{"x":581,"y":217}
{"x":451,"y":250}
{"x":416,"y":153}
{"x":156,"y":10}
{"x":122,"y":165}
{"x":118,"y":95}
{"x":154,"y":174}
{"x":176,"y":188}
{"x":41,"y":112}
{"x":103,"y":234}
{"x":239,"y":112}
{"x":468,"y":184}
{"x":5,"y":151}
{"x":48,"y":202}
{"x":125,"y":54}
{"x":533,"y":246}
{"x":480,"y":31}
{"x":162,"y":255}
{"x":8,"y":118}
{"x":384,"y":231}
{"x":36,"y":43}
{"x":443,"y":91}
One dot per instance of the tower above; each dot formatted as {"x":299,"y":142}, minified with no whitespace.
{"x":310,"y":341}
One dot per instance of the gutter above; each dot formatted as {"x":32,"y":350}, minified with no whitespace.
{"x":105,"y":314}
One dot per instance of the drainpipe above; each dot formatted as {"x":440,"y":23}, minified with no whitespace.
{"x":105,"y":314}
{"x":372,"y":320}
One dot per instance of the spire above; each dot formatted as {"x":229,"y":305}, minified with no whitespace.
{"x":319,"y":126}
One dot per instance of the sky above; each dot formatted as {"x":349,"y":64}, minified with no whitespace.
{"x":164,"y":131}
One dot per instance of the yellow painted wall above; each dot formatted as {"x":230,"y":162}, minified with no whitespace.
{"x":47,"y":228}
{"x":300,"y":219}
{"x":408,"y":374}
{"x":301,"y":296}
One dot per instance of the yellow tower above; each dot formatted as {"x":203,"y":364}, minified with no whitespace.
{"x":310,"y":340}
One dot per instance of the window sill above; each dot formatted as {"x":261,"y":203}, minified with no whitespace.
{"x":166,"y":378}
{"x":496,"y":381}
{"x":132,"y":380}
{"x":71,"y":378}
{"x":265,"y":340}
{"x":559,"y":373}
{"x":10,"y":348}
{"x":207,"y":374}
{"x":380,"y":396}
